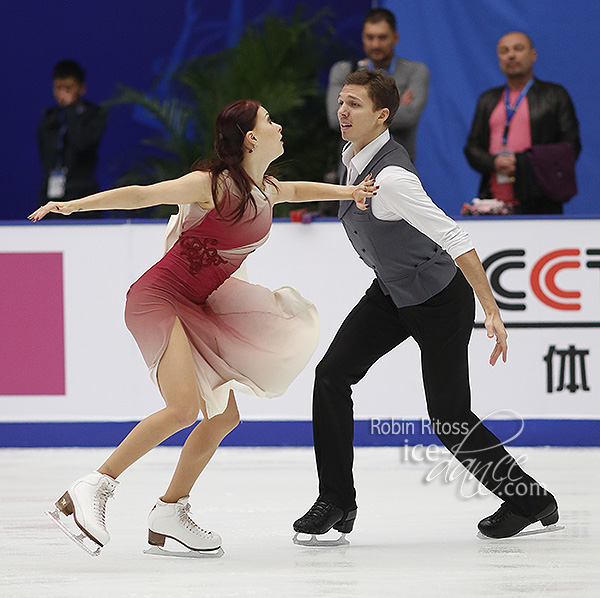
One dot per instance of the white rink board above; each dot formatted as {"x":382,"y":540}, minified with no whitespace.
{"x":106,"y":379}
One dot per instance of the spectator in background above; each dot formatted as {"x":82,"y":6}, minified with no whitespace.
{"x":68,"y":138}
{"x":379,"y":37}
{"x":524,"y":139}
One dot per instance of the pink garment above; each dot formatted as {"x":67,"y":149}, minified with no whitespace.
{"x":518,"y":140}
{"x":242,"y":336}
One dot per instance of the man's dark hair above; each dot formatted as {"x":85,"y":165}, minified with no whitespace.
{"x":382,"y":90}
{"x":68,"y":68}
{"x":376,"y":15}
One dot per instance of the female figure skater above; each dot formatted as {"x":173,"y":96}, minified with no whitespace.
{"x":201,"y":332}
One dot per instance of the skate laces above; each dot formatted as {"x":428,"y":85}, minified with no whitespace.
{"x":105,"y":491}
{"x":185,"y":519}
{"x":501,"y":514}
{"x":320,"y":508}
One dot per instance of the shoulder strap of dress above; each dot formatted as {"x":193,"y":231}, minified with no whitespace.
{"x":175,"y":227}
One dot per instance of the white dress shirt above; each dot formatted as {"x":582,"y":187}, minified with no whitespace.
{"x":401,"y":197}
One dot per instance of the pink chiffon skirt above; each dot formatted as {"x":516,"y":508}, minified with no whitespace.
{"x":242,"y":337}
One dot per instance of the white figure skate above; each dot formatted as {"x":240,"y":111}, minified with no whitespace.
{"x":86,"y":501}
{"x":173,"y":521}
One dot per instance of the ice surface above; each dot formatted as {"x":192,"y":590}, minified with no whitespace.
{"x":412,"y":538}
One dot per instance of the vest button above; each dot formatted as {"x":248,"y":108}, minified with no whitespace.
{"x":363,"y":250}
{"x":356,"y":232}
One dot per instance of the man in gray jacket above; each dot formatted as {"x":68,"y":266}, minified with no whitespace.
{"x":426,"y":270}
{"x":379,"y":37}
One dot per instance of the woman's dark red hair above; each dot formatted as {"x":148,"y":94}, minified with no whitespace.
{"x":232,"y":124}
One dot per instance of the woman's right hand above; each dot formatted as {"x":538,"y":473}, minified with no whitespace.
{"x":57,"y":207}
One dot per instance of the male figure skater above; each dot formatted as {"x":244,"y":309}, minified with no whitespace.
{"x":414,"y":249}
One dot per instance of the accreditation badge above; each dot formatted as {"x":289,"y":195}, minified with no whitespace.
{"x":57,"y":182}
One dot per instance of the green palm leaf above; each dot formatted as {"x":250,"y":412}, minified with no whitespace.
{"x":278,"y":63}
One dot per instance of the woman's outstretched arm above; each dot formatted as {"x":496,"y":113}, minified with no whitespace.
{"x":194,"y":187}
{"x":302,"y":191}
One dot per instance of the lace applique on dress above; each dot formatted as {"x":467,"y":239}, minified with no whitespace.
{"x":199,"y":254}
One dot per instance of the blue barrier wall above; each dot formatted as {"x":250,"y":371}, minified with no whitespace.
{"x":529,"y":432}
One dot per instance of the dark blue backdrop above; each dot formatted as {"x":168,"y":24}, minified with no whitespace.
{"x":135,"y":42}
{"x":457,"y":40}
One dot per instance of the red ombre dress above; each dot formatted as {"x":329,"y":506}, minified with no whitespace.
{"x":242,"y":336}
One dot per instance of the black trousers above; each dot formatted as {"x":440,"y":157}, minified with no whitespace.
{"x":442,"y":328}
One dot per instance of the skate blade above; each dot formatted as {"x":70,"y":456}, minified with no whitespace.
{"x":189,"y":554}
{"x":529,"y":532}
{"x":301,"y":539}
{"x":78,"y":537}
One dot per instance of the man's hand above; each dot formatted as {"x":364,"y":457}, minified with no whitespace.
{"x":505,"y":164}
{"x":495,"y":329}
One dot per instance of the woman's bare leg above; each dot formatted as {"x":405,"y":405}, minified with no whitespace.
{"x":199,"y":448}
{"x":179,"y":388}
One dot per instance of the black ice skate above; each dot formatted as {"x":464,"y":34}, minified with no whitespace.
{"x":320,"y":518}
{"x":505,"y":523}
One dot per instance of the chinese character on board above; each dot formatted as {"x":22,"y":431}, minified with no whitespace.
{"x":571,"y":362}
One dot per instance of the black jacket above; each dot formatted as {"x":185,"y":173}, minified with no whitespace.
{"x":85,"y":126}
{"x":552,"y":117}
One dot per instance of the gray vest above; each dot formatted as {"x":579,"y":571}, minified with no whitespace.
{"x":410,"y":267}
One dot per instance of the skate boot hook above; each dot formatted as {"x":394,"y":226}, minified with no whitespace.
{"x":86,"y":501}
{"x":172,"y":521}
{"x":318,"y":520}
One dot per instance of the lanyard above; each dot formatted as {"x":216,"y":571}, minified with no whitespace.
{"x":510,"y":110}
{"x":60,"y":141}
{"x":391,"y":68}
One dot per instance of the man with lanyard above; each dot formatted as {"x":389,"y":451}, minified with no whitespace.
{"x":69,"y":136}
{"x":511,"y":118}
{"x":426,"y":270}
{"x":379,"y":37}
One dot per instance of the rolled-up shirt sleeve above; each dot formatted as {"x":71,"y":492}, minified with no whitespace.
{"x":401,"y":196}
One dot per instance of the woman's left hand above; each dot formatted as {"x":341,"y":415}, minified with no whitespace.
{"x":363,"y":191}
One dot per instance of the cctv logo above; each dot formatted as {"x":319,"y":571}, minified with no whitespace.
{"x":542,"y":279}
